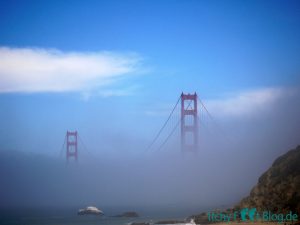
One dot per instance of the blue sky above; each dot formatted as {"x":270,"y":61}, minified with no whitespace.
{"x":151,"y":51}
{"x":113,"y":70}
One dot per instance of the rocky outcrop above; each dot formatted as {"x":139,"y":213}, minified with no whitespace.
{"x":278,"y":189}
{"x":91,"y":210}
{"x":201,"y":218}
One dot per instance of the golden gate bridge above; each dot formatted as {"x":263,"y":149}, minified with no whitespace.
{"x":190,"y":110}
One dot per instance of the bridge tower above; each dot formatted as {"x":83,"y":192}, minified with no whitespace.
{"x":72,"y":147}
{"x":189,"y":122}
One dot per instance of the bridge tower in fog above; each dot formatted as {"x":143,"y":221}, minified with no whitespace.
{"x":189,"y":122}
{"x":72,"y":147}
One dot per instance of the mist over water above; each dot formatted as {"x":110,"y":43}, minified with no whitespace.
{"x":232,"y":155}
{"x":113,"y":71}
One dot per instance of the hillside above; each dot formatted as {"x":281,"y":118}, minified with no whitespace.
{"x":278,"y":189}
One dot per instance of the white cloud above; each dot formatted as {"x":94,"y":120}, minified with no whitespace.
{"x":110,"y":92}
{"x":248,"y":102}
{"x":236,"y":104}
{"x":50,"y":70}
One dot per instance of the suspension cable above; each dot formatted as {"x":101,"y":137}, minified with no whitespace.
{"x":173,"y":130}
{"x":84,"y":145}
{"x":164,"y":125}
{"x":216,"y":123}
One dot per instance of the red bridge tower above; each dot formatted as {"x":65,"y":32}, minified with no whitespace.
{"x":189,"y":123}
{"x":72,"y":145}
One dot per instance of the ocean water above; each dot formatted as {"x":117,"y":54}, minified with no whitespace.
{"x":70,"y":220}
{"x":70,"y":217}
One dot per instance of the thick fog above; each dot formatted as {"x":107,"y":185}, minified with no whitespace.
{"x":234,"y":150}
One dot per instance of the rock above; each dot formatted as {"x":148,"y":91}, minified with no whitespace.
{"x":278,"y":189}
{"x":201,"y":218}
{"x":91,"y":210}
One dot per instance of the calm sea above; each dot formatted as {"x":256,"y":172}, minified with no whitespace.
{"x":69,"y":216}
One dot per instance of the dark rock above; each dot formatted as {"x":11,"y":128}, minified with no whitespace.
{"x":91,"y":210}
{"x":278,"y":189}
{"x":201,"y":218}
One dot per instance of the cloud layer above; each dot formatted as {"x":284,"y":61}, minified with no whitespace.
{"x":51,"y":70}
{"x":244,"y":103}
{"x":248,"y":102}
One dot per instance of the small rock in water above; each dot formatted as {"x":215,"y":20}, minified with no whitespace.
{"x":90,"y":210}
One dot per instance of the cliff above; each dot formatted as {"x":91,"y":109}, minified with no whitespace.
{"x":278,"y":189}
